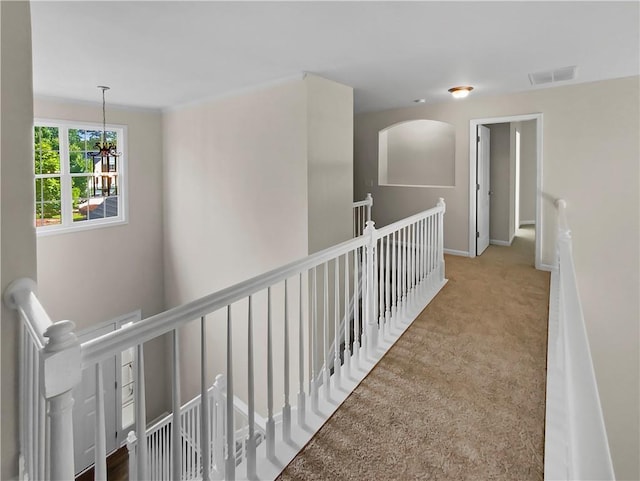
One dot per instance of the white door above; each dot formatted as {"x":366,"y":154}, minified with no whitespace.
{"x":84,"y":407}
{"x":483,"y":189}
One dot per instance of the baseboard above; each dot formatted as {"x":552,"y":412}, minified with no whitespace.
{"x":513,"y":236}
{"x":499,"y":242}
{"x":545,"y":267}
{"x":454,"y":252}
{"x":527,"y":222}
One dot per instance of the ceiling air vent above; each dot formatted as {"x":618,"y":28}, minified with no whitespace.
{"x":550,"y":76}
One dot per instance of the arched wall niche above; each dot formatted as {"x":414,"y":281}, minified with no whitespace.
{"x":417,"y":153}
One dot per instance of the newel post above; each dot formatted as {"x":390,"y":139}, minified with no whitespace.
{"x":61,"y":365}
{"x":369,"y":200}
{"x":370,"y":288}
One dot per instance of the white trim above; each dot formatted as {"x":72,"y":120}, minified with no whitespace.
{"x":527,"y":222}
{"x":545,"y":267}
{"x":502,"y":243}
{"x":473,"y":123}
{"x":421,"y":186}
{"x":454,"y":252}
{"x":69,"y":226}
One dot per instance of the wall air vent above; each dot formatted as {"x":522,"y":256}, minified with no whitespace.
{"x":550,"y":76}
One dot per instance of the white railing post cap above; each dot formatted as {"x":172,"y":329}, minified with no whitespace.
{"x":131,"y":438}
{"x":62,"y":359}
{"x":19,"y":285}
{"x":561,"y":203}
{"x":441,"y":202}
{"x":369,"y":226}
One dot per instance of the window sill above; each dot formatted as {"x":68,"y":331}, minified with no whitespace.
{"x":58,"y":230}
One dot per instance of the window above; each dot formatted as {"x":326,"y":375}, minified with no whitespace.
{"x":76,"y":188}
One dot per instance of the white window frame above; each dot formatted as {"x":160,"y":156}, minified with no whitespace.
{"x":67,"y":225}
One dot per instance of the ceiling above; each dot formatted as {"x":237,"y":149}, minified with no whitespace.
{"x":159,"y":54}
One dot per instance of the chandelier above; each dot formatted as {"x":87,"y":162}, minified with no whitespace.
{"x":106,"y":157}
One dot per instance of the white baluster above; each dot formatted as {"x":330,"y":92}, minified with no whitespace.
{"x":346,"y":353}
{"x":230,"y":462}
{"x":62,"y":372}
{"x":141,"y":414}
{"x":405,"y":274}
{"x":31,"y":404}
{"x":271,"y":427}
{"x":219,"y":420}
{"x":41,"y":436}
{"x":441,"y":238}
{"x":412,"y":260}
{"x":325,"y":329}
{"x":251,"y":441}
{"x":387,"y":286}
{"x":176,"y":435}
{"x":379,"y":276}
{"x":394,"y":277}
{"x":336,"y":321}
{"x":100,"y":469}
{"x":286,"y":409}
{"x":356,"y":307}
{"x":301,"y":398}
{"x":313,"y":381}
{"x":370,"y":294}
{"x":204,"y":404}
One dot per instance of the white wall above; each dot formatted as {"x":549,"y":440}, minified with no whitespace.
{"x":330,"y":159}
{"x":74,"y":280}
{"x":235,"y":182}
{"x":17,"y":232}
{"x":252,"y":182}
{"x":500,"y":176}
{"x":590,"y":158}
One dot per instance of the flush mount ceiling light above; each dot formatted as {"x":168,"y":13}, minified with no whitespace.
{"x":460,"y":92}
{"x":420,"y":101}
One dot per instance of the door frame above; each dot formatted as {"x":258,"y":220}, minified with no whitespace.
{"x":473,"y":178}
{"x":117,"y":322}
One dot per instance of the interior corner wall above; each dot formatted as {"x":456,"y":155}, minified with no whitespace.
{"x":17,"y":231}
{"x":96,"y":275}
{"x":235,"y":186}
{"x":500,"y":173}
{"x":590,"y":159}
{"x":528,"y":148}
{"x":330,"y":160}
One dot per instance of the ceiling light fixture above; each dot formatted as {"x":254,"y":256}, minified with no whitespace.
{"x":460,"y":92}
{"x":420,"y":101}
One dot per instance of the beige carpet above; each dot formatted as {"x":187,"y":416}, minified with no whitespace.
{"x":461,"y":394}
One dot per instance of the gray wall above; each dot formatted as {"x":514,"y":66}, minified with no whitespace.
{"x":590,"y":158}
{"x":17,"y":231}
{"x":528,"y":150}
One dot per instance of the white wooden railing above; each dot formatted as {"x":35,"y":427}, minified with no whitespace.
{"x":159,"y":437}
{"x":403,"y":269}
{"x":361,"y":214}
{"x":576,"y":445}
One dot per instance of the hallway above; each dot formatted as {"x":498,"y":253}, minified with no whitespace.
{"x":462,"y":393}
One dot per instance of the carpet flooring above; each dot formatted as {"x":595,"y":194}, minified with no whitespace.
{"x":461,"y":395}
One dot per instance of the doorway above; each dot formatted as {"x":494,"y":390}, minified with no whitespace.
{"x":495,"y":187}
{"x":118,"y":400}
